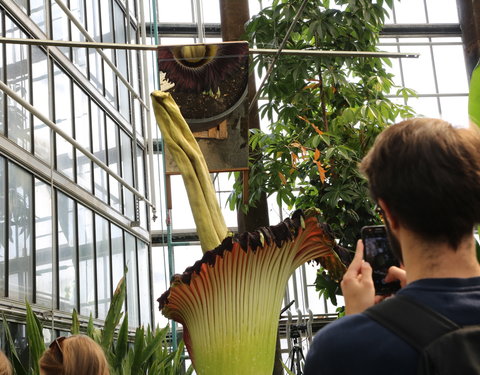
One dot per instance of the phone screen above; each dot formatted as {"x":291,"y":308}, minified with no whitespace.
{"x":379,"y":255}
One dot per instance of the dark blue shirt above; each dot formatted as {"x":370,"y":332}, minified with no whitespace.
{"x":355,"y":344}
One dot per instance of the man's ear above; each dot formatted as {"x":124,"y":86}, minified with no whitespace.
{"x":392,"y":220}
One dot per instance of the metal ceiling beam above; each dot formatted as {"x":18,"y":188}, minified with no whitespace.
{"x":391,"y":30}
{"x":253,"y":51}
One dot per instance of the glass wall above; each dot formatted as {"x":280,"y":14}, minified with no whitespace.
{"x":67,"y":257}
{"x":86,"y":260}
{"x":20,"y":233}
{"x":3,"y":226}
{"x":438,"y":76}
{"x":44,"y":254}
{"x":68,"y":229}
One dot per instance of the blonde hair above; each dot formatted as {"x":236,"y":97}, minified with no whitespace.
{"x":74,"y":355}
{"x":5,"y":365}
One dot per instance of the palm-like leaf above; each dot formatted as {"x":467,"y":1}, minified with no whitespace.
{"x":122,"y":343}
{"x":474,"y":97}
{"x":14,"y":358}
{"x":35,"y":339}
{"x":75,"y":330}
{"x":113,"y":316}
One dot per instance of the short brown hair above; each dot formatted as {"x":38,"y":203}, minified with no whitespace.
{"x":74,"y":355}
{"x":428,"y":173}
{"x":5,"y":365}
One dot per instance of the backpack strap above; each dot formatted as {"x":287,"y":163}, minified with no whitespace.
{"x":416,"y":324}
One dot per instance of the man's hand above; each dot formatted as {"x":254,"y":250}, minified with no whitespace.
{"x":357,"y":284}
{"x":396,"y":273}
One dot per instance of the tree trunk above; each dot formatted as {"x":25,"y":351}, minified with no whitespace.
{"x":234,"y":14}
{"x":469,"y":15}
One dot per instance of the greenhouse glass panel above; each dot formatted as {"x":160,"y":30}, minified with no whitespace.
{"x":44,"y":255}
{"x":104,"y":288}
{"x":67,"y":255}
{"x":20,"y":214}
{"x":86,"y":261}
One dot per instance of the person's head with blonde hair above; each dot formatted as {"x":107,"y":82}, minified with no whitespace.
{"x":5,"y":365}
{"x":74,"y":355}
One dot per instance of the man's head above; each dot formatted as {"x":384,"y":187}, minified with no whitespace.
{"x":428,"y":175}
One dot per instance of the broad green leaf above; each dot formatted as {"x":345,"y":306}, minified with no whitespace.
{"x":138,"y":349}
{"x":157,"y":340}
{"x":75,"y":329}
{"x":177,"y":359}
{"x":14,"y":358}
{"x":90,"y":326}
{"x":114,"y":315}
{"x":122,"y":343}
{"x":474,"y":96}
{"x":36,"y":344}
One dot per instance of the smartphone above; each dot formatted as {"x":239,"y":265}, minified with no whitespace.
{"x":378,"y":253}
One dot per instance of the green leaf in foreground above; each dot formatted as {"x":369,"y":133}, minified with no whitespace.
{"x":114,"y":315}
{"x":36,"y":343}
{"x":14,"y":358}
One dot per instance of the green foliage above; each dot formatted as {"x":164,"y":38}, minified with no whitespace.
{"x":326,"y":286}
{"x":113,"y":316}
{"x":324,"y":112}
{"x":35,"y":340}
{"x":149,"y":353}
{"x":14,"y":357}
{"x":474,"y":96}
{"x":75,"y":323}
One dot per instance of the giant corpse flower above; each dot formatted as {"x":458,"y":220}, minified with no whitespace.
{"x":229,"y":301}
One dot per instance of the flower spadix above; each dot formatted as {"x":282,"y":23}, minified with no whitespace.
{"x":229,"y":301}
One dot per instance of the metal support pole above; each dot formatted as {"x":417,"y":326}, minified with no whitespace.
{"x":252,"y":51}
{"x":469,"y":15}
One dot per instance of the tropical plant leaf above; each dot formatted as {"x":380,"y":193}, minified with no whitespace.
{"x":14,"y":358}
{"x":153,"y":345}
{"x":75,"y":329}
{"x":113,"y":316}
{"x":127,"y":363}
{"x":122,"y":344}
{"x":139,"y":344}
{"x":326,"y":286}
{"x":36,"y":343}
{"x":90,"y":327}
{"x":474,"y":96}
{"x":177,"y":359}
